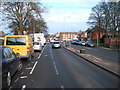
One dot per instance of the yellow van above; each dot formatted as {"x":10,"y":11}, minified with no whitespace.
{"x":20,"y":44}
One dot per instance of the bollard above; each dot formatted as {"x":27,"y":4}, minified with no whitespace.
{"x":66,"y":45}
{"x":82,"y":50}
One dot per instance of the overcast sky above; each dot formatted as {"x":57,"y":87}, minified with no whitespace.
{"x":68,"y":15}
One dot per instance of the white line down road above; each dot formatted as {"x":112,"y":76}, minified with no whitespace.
{"x":55,"y":68}
{"x":23,"y":87}
{"x":33,"y":67}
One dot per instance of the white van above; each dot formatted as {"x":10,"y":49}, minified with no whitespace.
{"x":37,"y":46}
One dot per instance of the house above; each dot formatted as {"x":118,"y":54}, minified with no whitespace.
{"x":68,"y":36}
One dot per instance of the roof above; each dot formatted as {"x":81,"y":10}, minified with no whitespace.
{"x":68,"y":32}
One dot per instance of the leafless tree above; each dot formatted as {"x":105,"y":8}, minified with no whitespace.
{"x":22,"y":15}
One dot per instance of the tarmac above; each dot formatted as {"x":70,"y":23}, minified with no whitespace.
{"x":110,"y":66}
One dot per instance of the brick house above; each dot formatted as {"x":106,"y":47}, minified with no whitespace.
{"x":68,"y":36}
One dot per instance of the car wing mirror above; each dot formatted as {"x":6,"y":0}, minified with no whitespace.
{"x":17,"y":54}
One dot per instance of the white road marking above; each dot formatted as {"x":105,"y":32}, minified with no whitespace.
{"x":10,"y":88}
{"x":33,"y":67}
{"x":16,"y":79}
{"x":55,"y":68}
{"x":39,"y":55}
{"x":28,"y":68}
{"x":41,"y":52}
{"x":62,"y":87}
{"x":22,"y":73}
{"x":23,"y":77}
{"x":23,"y":87}
{"x":52,"y":56}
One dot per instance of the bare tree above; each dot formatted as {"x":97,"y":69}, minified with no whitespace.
{"x":21,"y":15}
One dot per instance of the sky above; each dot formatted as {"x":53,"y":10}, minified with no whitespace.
{"x":68,"y":15}
{"x":64,"y":15}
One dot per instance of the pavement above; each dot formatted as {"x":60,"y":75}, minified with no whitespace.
{"x":110,"y":66}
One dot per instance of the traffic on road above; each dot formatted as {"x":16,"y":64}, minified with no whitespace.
{"x":59,"y":68}
{"x":59,"y":44}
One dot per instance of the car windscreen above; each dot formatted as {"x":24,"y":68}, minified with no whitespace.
{"x":56,"y":42}
{"x":36,"y":43}
{"x":16,"y":41}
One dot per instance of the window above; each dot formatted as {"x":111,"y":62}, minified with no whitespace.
{"x":36,"y":43}
{"x":11,"y":52}
{"x":7,"y":53}
{"x":10,"y":41}
{"x":16,"y":41}
{"x":20,"y":40}
{"x":56,"y":43}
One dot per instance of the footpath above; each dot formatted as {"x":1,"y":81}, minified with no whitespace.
{"x":110,"y":66}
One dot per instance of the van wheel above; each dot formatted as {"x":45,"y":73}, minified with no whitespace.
{"x":30,"y":58}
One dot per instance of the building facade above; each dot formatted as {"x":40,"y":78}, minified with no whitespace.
{"x":68,"y":36}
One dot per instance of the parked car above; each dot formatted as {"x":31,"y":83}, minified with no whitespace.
{"x":22,"y":44}
{"x":56,"y":44}
{"x":82,"y":43}
{"x":75,"y":42}
{"x":89,"y":44}
{"x":37,"y":46}
{"x":10,"y":63}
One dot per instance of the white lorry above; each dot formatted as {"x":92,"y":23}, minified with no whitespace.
{"x":39,"y":37}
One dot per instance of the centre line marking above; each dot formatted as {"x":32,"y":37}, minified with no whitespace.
{"x":33,"y":67}
{"x":16,"y":79}
{"x":55,"y":68}
{"x":23,"y":87}
{"x":62,"y":87}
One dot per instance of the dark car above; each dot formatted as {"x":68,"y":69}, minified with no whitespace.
{"x":89,"y":44}
{"x":56,"y":44}
{"x":10,"y":63}
{"x":75,"y":42}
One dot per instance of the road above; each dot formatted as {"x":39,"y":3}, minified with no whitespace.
{"x":59,"y":68}
{"x":104,"y":53}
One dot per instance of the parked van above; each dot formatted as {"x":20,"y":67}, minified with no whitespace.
{"x":20,"y":44}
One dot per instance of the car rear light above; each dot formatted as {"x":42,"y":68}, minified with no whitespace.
{"x":28,"y":47}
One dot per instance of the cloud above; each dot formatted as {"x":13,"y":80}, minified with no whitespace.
{"x":68,"y":15}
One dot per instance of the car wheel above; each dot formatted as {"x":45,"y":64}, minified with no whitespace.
{"x":8,"y":79}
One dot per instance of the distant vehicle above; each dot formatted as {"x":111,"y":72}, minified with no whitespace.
{"x":22,"y":44}
{"x":10,"y":63}
{"x":56,"y":44}
{"x":39,"y":37}
{"x":37,"y":46}
{"x":82,"y":43}
{"x":51,"y":41}
{"x":89,"y":44}
{"x":75,"y":42}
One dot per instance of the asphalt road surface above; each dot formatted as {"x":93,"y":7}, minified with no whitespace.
{"x":59,"y":68}
{"x":104,"y":53}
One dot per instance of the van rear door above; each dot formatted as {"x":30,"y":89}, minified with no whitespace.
{"x":17,"y":44}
